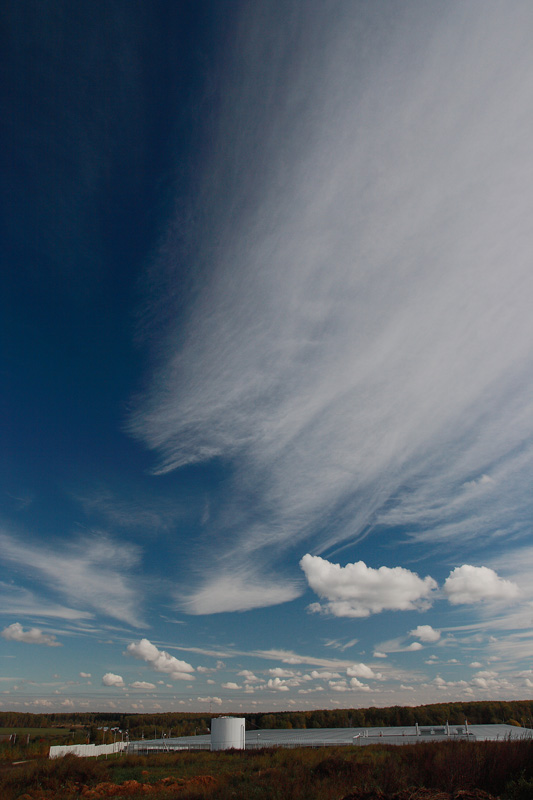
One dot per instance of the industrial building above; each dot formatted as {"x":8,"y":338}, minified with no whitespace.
{"x":230,"y":733}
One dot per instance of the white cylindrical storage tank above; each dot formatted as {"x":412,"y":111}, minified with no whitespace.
{"x":227,"y":733}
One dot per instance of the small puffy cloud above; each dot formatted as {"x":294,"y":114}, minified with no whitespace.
{"x":16,"y":633}
{"x":361,"y":671}
{"x":160,"y":660}
{"x":476,"y":664}
{"x":230,"y":685}
{"x":415,"y":646}
{"x":142,"y":685}
{"x":85,"y":675}
{"x":248,"y":675}
{"x":468,"y":584}
{"x":279,"y":672}
{"x":484,"y":480}
{"x":356,"y":684}
{"x":278,"y":685}
{"x":378,"y":654}
{"x":339,"y":686}
{"x":425,"y":633}
{"x":110,"y":679}
{"x":324,"y":674}
{"x":216,"y":700}
{"x":359,"y":591}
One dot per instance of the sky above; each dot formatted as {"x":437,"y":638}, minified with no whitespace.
{"x":266,"y":363}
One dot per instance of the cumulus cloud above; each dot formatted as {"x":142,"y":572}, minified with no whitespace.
{"x":468,"y":584}
{"x":358,"y":591}
{"x":160,"y":660}
{"x":324,"y":674}
{"x":248,"y":675}
{"x":85,"y":675}
{"x":484,"y":480}
{"x":362,"y":671}
{"x":230,"y":685}
{"x":279,"y":672}
{"x":355,"y":683}
{"x":359,"y":348}
{"x":16,"y":633}
{"x":110,"y":679}
{"x":425,"y":633}
{"x":216,"y":700}
{"x":278,"y":684}
{"x":142,"y":685}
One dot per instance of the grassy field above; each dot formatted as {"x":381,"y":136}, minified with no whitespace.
{"x":443,"y":771}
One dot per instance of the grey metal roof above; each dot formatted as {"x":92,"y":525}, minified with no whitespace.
{"x":342,"y":736}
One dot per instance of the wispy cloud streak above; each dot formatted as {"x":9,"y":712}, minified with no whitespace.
{"x":92,"y":572}
{"x":359,"y":345}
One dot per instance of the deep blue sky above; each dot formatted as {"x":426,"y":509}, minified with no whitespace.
{"x":266,"y":354}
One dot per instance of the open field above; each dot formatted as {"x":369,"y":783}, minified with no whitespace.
{"x":432,"y":771}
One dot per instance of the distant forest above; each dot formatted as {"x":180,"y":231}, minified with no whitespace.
{"x":513,"y":712}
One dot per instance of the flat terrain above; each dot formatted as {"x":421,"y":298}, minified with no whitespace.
{"x":432,"y":771}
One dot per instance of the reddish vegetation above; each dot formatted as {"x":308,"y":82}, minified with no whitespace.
{"x":166,"y":787}
{"x":429,"y":771}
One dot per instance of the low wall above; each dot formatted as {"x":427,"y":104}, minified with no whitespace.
{"x":85,"y":750}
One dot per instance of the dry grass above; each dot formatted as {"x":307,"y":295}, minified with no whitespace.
{"x":428,"y":771}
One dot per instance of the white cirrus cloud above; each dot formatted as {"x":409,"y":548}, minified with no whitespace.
{"x":20,"y":601}
{"x":425,"y":633}
{"x":84,"y":571}
{"x":358,"y":591}
{"x":358,"y":347}
{"x":160,"y":660}
{"x":16,"y":633}
{"x":468,"y":584}
{"x":110,"y":679}
{"x":232,"y":592}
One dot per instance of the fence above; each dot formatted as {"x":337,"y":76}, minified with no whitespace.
{"x":85,"y":750}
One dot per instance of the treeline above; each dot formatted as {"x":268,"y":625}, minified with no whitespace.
{"x":514,"y":712}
